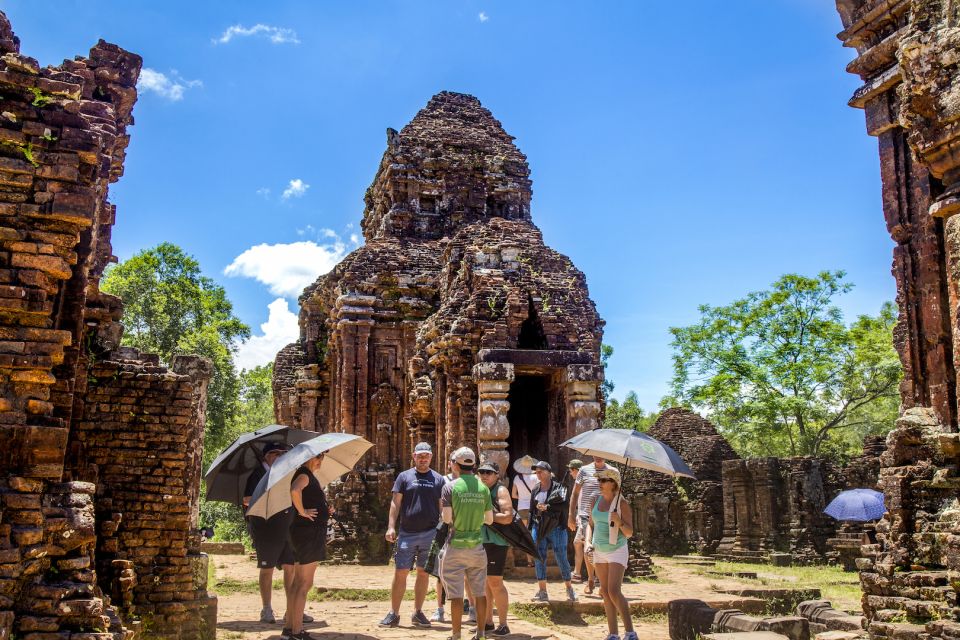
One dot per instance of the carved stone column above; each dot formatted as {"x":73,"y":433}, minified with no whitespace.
{"x":493,"y":386}
{"x":354,"y":326}
{"x":583,"y":408}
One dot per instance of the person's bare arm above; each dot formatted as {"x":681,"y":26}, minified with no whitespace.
{"x":296,"y":496}
{"x":574,"y":501}
{"x":447,"y":515}
{"x":513,"y":492}
{"x":391,"y":534}
{"x":503,"y":515}
{"x":488,"y":516}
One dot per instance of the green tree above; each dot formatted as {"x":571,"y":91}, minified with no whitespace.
{"x":628,"y":414}
{"x":606,"y":351}
{"x":782,"y":374}
{"x":171,"y":308}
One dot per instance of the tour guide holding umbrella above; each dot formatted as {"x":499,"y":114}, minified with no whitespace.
{"x":612,"y":517}
{"x":297,"y":479}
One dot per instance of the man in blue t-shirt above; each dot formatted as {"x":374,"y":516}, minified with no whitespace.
{"x":416,"y":503}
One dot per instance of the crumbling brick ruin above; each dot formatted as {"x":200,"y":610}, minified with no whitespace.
{"x":99,"y":446}
{"x":682,"y":515}
{"x":907,"y":56}
{"x":454,"y":323}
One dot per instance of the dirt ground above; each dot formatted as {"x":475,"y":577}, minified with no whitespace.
{"x":354,"y":620}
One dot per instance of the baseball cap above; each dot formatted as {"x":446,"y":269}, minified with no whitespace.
{"x":464,"y":456}
{"x":543,"y":464}
{"x":489,"y":465}
{"x":275,"y":446}
{"x":609,"y":473}
{"x":423,"y":447}
{"x":575,"y":464}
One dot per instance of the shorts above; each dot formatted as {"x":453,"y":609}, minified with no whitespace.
{"x":459,"y":565}
{"x":496,"y":558}
{"x":524,"y":514}
{"x":581,"y":534}
{"x":412,"y":547}
{"x":271,"y":540}
{"x":309,"y":543}
{"x":617,"y":556}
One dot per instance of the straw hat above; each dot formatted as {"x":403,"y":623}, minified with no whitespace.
{"x":525,"y":464}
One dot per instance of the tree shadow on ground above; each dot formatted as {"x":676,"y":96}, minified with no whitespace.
{"x":255,"y":625}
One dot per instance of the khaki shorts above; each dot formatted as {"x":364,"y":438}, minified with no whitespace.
{"x":459,"y":565}
{"x":581,"y":534}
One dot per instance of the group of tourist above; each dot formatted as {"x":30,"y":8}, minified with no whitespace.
{"x":456,"y":514}
{"x":454,"y":525}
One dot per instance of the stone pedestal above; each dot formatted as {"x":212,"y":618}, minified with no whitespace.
{"x":493,"y":428}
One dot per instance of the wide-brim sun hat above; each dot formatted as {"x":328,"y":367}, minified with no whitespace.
{"x":525,"y":464}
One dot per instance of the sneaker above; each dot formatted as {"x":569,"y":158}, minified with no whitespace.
{"x":613,"y":636}
{"x":303,"y":635}
{"x":630,"y":635}
{"x":420,"y":621}
{"x":286,"y":634}
{"x":571,"y":596}
{"x":472,"y":615}
{"x":266,"y":616}
{"x":307,"y":618}
{"x":437,"y":615}
{"x":502,"y":630}
{"x":542,"y":597}
{"x":391,"y":620}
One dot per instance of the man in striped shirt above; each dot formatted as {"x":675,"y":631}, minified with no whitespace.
{"x":586,"y":490}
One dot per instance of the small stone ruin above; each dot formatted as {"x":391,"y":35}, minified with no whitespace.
{"x":100,"y":446}
{"x":676,"y":516}
{"x":907,"y":56}
{"x":454,"y":323}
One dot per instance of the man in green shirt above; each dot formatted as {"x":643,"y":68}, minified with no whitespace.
{"x":466,"y":507}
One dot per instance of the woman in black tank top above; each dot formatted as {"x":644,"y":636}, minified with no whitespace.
{"x":308,"y":537}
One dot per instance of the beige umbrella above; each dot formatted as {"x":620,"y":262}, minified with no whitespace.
{"x":341,"y":452}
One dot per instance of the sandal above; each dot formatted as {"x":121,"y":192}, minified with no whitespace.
{"x":576,"y":578}
{"x":589,"y":588}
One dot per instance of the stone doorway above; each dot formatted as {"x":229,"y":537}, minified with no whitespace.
{"x":529,"y":418}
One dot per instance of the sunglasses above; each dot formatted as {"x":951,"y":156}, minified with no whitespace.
{"x":484,"y":472}
{"x":606,"y":480}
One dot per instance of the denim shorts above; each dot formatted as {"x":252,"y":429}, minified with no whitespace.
{"x":412,"y":547}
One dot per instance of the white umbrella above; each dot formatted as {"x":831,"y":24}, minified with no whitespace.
{"x":341,"y":452}
{"x":631,"y":448}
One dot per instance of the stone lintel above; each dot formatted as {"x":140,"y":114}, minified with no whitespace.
{"x":585,"y":373}
{"x":540,"y":358}
{"x":491,"y":371}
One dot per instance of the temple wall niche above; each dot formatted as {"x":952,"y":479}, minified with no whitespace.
{"x":76,"y":515}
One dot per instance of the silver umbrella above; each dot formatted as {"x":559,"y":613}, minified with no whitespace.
{"x":632,"y":448}
{"x":227,"y":476}
{"x":342,"y":451}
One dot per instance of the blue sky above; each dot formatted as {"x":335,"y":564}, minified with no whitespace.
{"x":681,"y":154}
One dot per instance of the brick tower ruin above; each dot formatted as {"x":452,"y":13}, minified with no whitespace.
{"x":100,"y":446}
{"x":908,"y":55}
{"x":454,"y":323}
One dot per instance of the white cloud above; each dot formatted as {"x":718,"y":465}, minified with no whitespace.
{"x":171,"y":87}
{"x":483,"y":17}
{"x":287,"y":268}
{"x":296,"y":189}
{"x":263,"y":192}
{"x":276,"y":35}
{"x":280,"y":329}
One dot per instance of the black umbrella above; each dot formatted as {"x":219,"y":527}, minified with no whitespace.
{"x":518,"y":536}
{"x":227,"y":476}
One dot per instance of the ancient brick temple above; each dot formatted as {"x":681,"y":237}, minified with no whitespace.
{"x":454,"y":323}
{"x":682,"y":515}
{"x":907,"y":55}
{"x":99,"y":445}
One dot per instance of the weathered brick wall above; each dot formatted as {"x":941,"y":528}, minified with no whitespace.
{"x":907,"y":57}
{"x":62,"y":556}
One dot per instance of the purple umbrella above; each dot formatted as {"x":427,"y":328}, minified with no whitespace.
{"x":857,"y":504}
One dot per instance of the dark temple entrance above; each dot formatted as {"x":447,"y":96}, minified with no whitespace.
{"x":529,"y":418}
